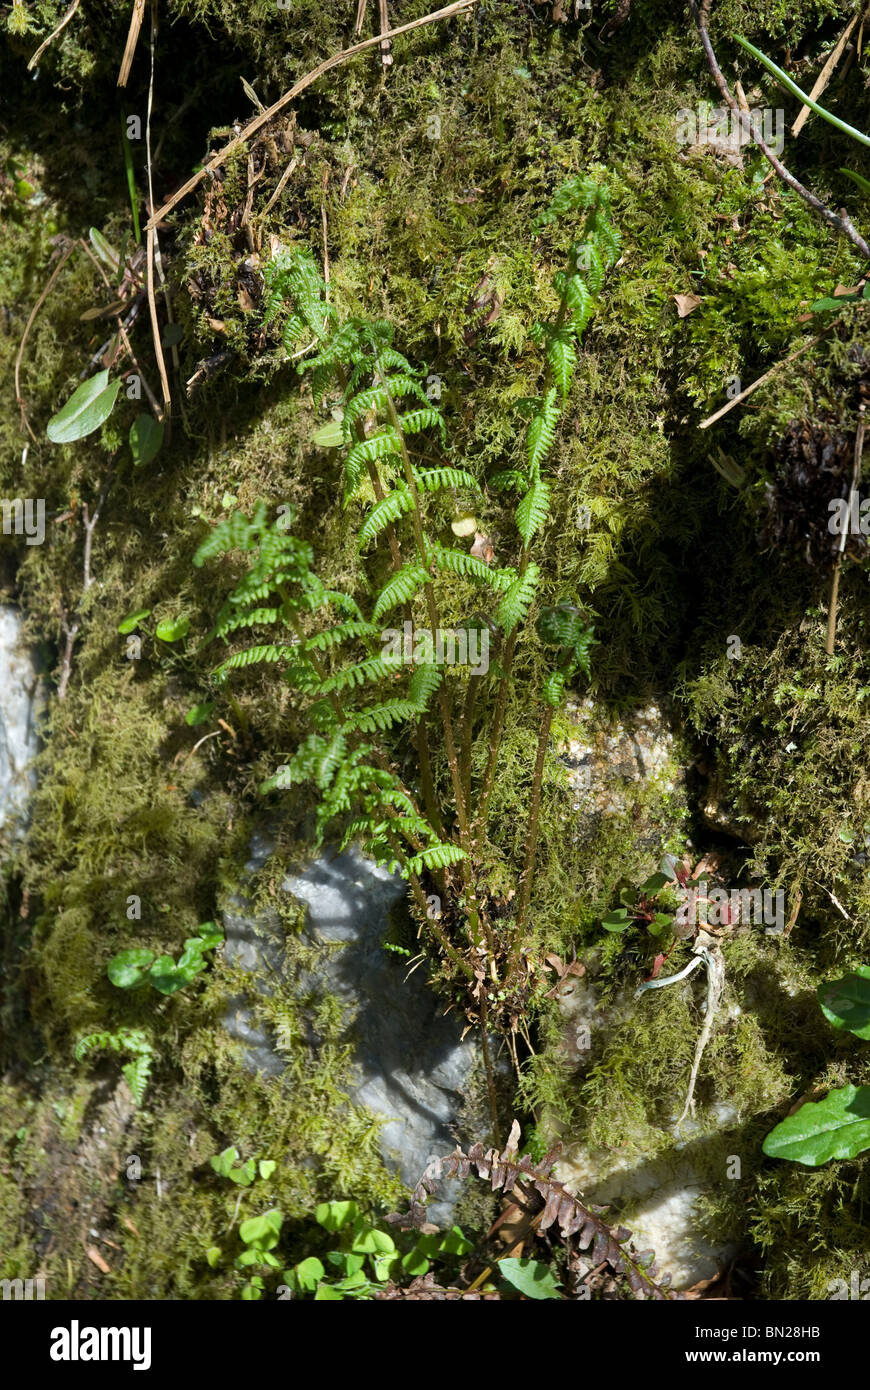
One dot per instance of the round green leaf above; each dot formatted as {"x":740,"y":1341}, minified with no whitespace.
{"x":618,"y":920}
{"x":846,"y":1003}
{"x":133,"y":621}
{"x":267,"y":1167}
{"x":308,"y":1274}
{"x":165,"y":977}
{"x":171,"y":629}
{"x":129,"y":968}
{"x":199,"y":713}
{"x":88,"y":406}
{"x":146,"y":439}
{"x":836,"y":1127}
{"x":334,"y":1215}
{"x":213,"y":1255}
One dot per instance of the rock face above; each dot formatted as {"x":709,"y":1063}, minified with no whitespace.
{"x":410,"y":1066}
{"x":19,"y":691}
{"x":656,"y":1197}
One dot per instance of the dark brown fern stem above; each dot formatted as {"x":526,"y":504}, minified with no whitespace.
{"x":528,"y":872}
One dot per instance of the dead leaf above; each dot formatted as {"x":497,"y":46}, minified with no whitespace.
{"x":686,"y":303}
{"x":246,"y":303}
{"x":129,"y":1224}
{"x":482,"y":548}
{"x":96,"y":1258}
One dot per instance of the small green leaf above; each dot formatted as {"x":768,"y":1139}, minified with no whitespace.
{"x":326,"y":1294}
{"x":105,"y":251}
{"x":213,"y":1255}
{"x":335,"y":1215}
{"x":129,"y":968}
{"x":415,"y":1262}
{"x":846,"y":1003}
{"x":133,"y":621}
{"x":654,"y":884}
{"x":369,"y":1241}
{"x":836,"y":1127}
{"x":307,"y":1274}
{"x":172,"y":629}
{"x":210,"y":934}
{"x":146,"y":439}
{"x":618,"y":920}
{"x":199,"y":713}
{"x":223,"y":1162}
{"x":267,"y":1167}
{"x":87,"y":408}
{"x":529,"y":1277}
{"x":329,"y":436}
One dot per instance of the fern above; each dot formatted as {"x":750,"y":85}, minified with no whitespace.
{"x":384,"y":513}
{"x":469,"y":566}
{"x":518,"y":599}
{"x":334,"y":636}
{"x":533,"y":510}
{"x":541,"y":433}
{"x":379,"y":446}
{"x":378,"y":718}
{"x":432,"y":479}
{"x":439,"y":856}
{"x":130,"y":1040}
{"x":376,"y":668}
{"x":562,"y":358}
{"x":400,"y":589}
{"x":413,"y":421}
{"x":422,"y":686}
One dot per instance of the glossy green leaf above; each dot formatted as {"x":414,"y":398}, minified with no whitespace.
{"x":87,"y":408}
{"x":172,"y":629}
{"x":617,"y":920}
{"x":836,"y":1127}
{"x":326,"y":1294}
{"x":146,"y":439}
{"x":132,"y":622}
{"x":223,"y":1162}
{"x":529,"y":1277}
{"x":308,"y":1274}
{"x":129,"y":968}
{"x":846,"y":1003}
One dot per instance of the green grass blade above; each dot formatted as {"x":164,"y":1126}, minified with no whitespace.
{"x":795,"y":90}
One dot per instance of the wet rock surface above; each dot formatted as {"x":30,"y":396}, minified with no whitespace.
{"x":410,"y":1066}
{"x":19,"y":697}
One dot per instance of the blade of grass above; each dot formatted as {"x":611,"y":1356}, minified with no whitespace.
{"x":131,"y":181}
{"x":785,"y":81}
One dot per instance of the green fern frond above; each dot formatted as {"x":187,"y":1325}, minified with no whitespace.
{"x":508,"y":480}
{"x":384,"y":513}
{"x":431,"y":479}
{"x":439,"y":856}
{"x":378,"y":718}
{"x":252,"y":656}
{"x":257,"y":617}
{"x":541,"y":433}
{"x":375,"y":399}
{"x":400,"y":588}
{"x":518,"y":599}
{"x":137,"y":1074}
{"x":469,"y":566}
{"x":237,"y":532}
{"x":533,"y":510}
{"x":422,"y":686}
{"x":577,"y":297}
{"x":333,"y":636}
{"x":385,"y":444}
{"x":375,"y":668}
{"x":562,"y":358}
{"x":413,"y":421}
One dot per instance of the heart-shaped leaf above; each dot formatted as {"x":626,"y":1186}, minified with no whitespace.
{"x":129,"y":968}
{"x":267,"y":1167}
{"x":329,"y":436}
{"x":165,"y":976}
{"x":88,"y":406}
{"x":223,"y":1162}
{"x":836,"y":1127}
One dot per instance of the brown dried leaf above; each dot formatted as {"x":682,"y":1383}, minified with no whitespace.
{"x":686,"y":303}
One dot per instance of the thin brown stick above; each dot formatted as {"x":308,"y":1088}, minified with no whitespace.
{"x":826,"y":73}
{"x":447,"y":12}
{"x":132,"y":39}
{"x":53,"y":35}
{"x":723,"y":410}
{"x":27,"y":327}
{"x":835,"y":580}
{"x":841,"y":223}
{"x":386,"y":46}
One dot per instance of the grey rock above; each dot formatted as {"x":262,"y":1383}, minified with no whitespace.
{"x":19,"y":705}
{"x":410,"y":1066}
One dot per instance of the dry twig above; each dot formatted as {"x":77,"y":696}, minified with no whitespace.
{"x":448,"y":12}
{"x":53,"y":35}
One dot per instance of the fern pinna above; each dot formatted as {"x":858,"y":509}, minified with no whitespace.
{"x":363,"y":685}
